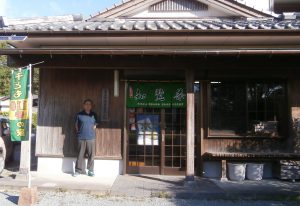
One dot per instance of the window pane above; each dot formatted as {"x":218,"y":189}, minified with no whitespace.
{"x":168,"y":140}
{"x":176,"y":151}
{"x":156,"y":161}
{"x":228,"y":108}
{"x":265,"y":119}
{"x":177,"y":162}
{"x":140,"y":150}
{"x":168,"y":151}
{"x":149,"y":161}
{"x":168,"y":161}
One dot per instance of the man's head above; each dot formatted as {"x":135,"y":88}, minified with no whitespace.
{"x":87,"y":105}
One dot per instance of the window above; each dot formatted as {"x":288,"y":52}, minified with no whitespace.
{"x":247,"y":109}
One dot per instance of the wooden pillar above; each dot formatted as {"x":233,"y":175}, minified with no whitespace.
{"x":203,"y":92}
{"x":163,"y":134}
{"x":125,"y":136}
{"x":224,"y":170}
{"x":190,"y":125}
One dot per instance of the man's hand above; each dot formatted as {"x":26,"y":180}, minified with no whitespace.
{"x":76,"y":128}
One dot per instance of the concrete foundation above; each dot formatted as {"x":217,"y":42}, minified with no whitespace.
{"x":102,"y":168}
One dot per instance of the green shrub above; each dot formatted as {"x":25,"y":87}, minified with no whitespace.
{"x":34,"y":119}
{"x":5,"y":114}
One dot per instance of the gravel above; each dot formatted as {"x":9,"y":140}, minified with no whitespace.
{"x":63,"y":198}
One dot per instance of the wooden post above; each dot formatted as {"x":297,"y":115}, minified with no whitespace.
{"x":190,"y":125}
{"x":203,"y":89}
{"x":224,"y":170}
{"x":25,"y":161}
{"x":125,"y":138}
{"x":163,"y":132}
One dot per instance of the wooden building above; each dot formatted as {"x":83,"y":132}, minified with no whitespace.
{"x":180,"y":86}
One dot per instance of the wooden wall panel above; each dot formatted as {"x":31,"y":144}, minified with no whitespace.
{"x":61,"y":95}
{"x":108,"y":142}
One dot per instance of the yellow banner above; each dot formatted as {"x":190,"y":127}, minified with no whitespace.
{"x":18,"y":109}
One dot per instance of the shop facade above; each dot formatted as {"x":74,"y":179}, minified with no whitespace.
{"x":175,"y":96}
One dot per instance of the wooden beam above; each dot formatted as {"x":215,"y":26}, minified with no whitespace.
{"x":190,"y":125}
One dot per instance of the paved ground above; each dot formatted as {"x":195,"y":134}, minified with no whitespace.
{"x":176,"y":187}
{"x":155,"y":185}
{"x":148,"y":190}
{"x":79,"y":199}
{"x":13,"y":180}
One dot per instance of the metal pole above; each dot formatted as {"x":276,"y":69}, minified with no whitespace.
{"x":30,"y":124}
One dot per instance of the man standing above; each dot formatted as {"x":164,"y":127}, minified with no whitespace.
{"x":85,"y":126}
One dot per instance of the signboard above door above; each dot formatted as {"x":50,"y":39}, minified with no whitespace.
{"x":156,"y":95}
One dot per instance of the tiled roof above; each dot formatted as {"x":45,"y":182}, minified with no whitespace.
{"x":154,"y":25}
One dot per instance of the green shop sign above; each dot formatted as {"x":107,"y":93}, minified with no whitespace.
{"x":156,"y":95}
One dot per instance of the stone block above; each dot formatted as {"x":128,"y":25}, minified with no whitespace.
{"x":28,"y":196}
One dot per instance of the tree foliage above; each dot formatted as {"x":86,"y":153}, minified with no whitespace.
{"x":5,"y":73}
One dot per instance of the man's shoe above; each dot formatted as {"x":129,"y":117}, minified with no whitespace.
{"x":91,"y":174}
{"x":75,"y":174}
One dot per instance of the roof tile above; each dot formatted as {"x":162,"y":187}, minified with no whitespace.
{"x":153,"y":25}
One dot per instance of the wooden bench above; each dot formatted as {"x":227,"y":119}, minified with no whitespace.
{"x":242,"y":156}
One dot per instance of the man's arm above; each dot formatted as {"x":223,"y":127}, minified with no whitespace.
{"x":96,"y":120}
{"x":76,"y":128}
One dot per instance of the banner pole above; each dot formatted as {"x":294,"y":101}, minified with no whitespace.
{"x":30,"y":124}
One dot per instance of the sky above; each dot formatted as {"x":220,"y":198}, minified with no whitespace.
{"x":33,"y":8}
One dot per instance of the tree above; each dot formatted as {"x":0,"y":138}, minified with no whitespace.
{"x":4,"y":74}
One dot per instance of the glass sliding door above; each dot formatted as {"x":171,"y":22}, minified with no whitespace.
{"x":156,"y":141}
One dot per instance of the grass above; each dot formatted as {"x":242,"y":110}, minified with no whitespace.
{"x":100,"y":195}
{"x":62,"y":190}
{"x":161,"y":194}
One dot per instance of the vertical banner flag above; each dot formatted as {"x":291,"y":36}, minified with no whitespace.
{"x":18,"y":112}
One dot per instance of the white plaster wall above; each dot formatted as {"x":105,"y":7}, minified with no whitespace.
{"x":261,"y":5}
{"x":182,"y":14}
{"x":4,"y":105}
{"x":102,"y":168}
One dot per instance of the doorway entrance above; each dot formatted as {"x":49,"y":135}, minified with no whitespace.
{"x":156,"y":141}
{"x":156,"y":128}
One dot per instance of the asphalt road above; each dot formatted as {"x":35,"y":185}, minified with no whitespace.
{"x":78,"y":199}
